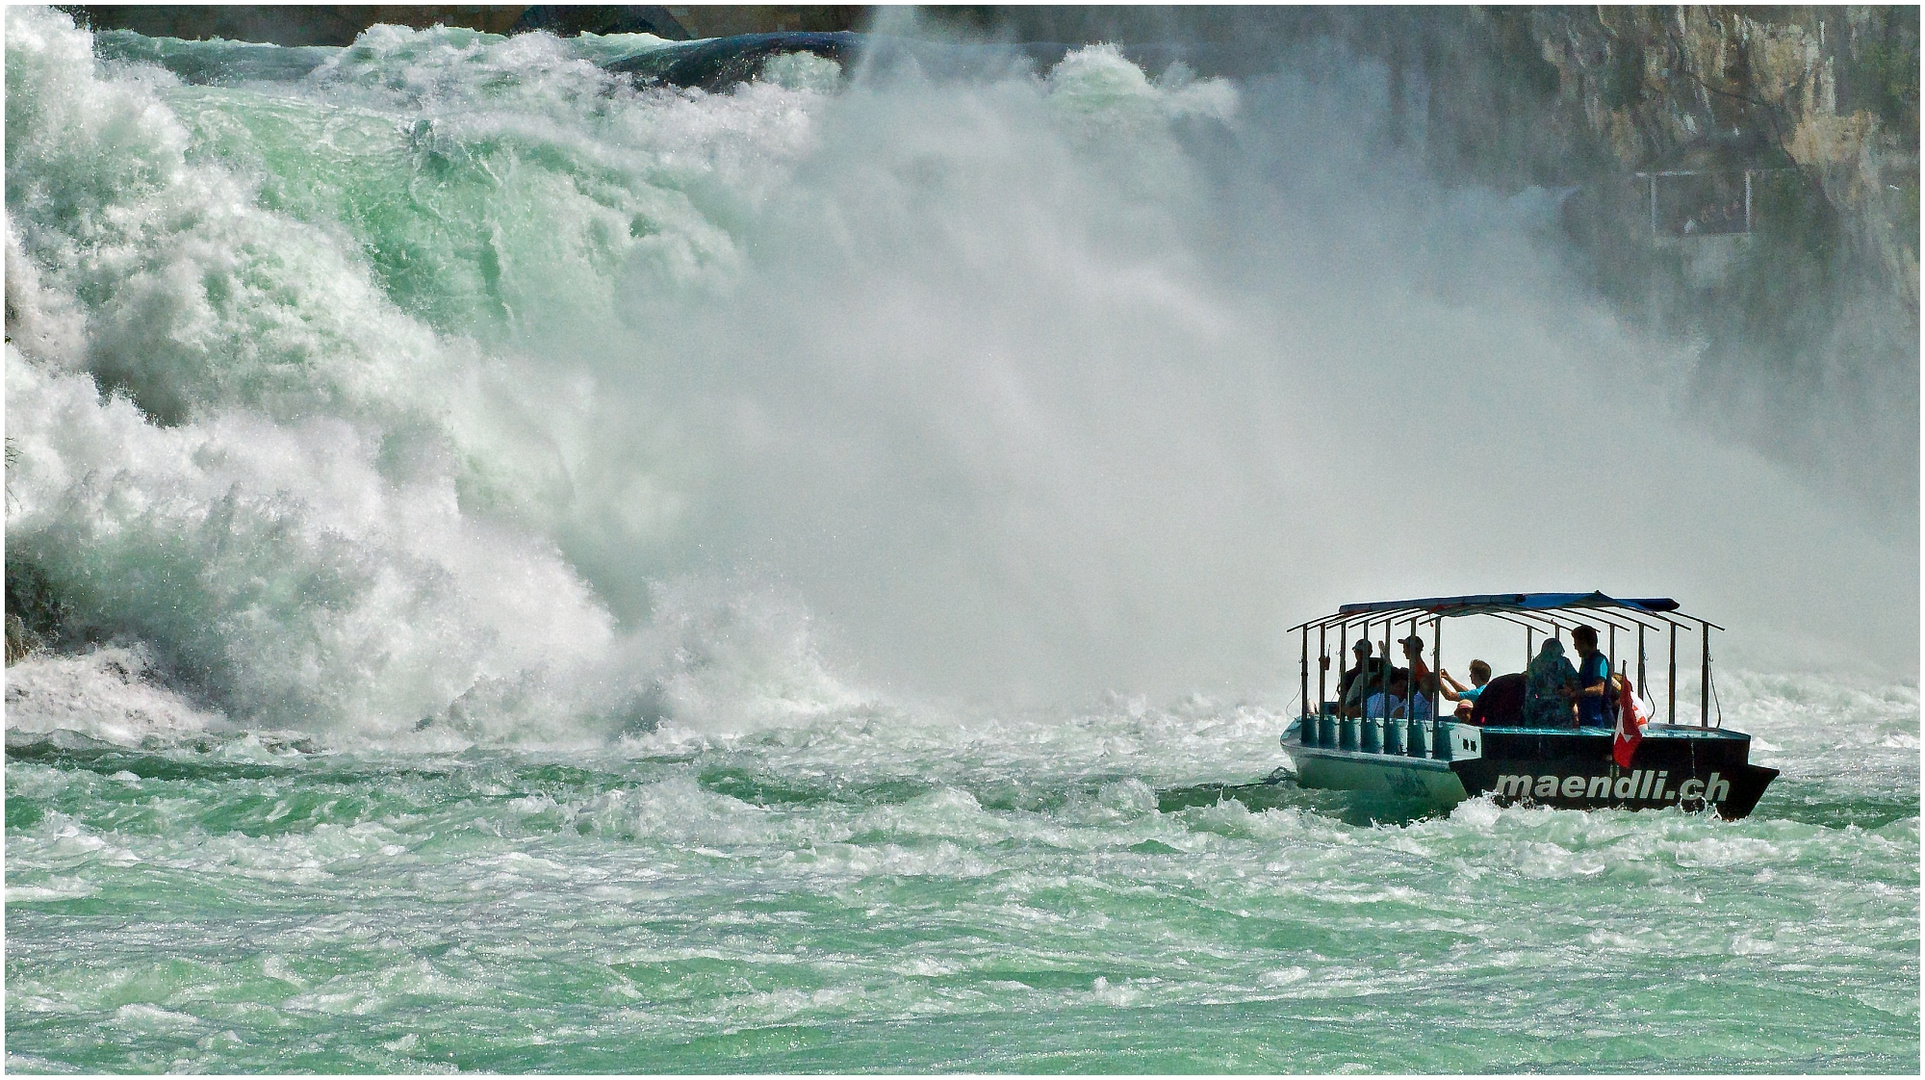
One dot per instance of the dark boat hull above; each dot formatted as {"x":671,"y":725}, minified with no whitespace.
{"x":1692,"y":768}
{"x":1689,"y":767}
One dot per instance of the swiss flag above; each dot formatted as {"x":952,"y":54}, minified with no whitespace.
{"x":1632,"y":716}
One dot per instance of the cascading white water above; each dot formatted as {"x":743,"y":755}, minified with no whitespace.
{"x":461,"y":381}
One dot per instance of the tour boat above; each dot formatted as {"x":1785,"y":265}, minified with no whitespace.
{"x":1441,"y":762}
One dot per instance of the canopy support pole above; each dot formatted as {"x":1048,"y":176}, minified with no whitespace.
{"x":1671,"y":683}
{"x":1644,"y":691}
{"x":1383,"y":669}
{"x":1436,"y":662}
{"x":1323,"y":663}
{"x":1343,"y":650}
{"x":1704,"y":689}
{"x":1304,"y":673}
{"x":1411,"y":687}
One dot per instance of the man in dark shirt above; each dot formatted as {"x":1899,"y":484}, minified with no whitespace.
{"x":1369,"y":669}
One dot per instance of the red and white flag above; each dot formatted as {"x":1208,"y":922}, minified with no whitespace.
{"x":1632,"y":716}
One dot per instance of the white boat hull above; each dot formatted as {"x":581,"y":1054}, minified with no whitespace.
{"x":1417,"y":779}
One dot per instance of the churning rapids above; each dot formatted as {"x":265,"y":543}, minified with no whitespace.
{"x":540,"y":573}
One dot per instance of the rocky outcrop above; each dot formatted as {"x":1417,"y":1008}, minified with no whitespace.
{"x":1833,"y":91}
{"x":1810,"y":315}
{"x":339,"y":24}
{"x":291,"y":24}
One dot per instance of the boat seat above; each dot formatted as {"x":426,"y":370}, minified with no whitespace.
{"x":1502,"y":702}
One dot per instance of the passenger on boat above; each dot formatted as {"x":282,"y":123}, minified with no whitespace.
{"x":1594,"y":696}
{"x":1399,"y":706}
{"x":1464,"y":696}
{"x":1549,"y":685}
{"x":1420,"y":676}
{"x":1360,"y":681}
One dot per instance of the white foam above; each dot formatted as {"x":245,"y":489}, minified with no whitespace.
{"x":107,"y":693}
{"x":277,"y":562}
{"x":56,"y":888}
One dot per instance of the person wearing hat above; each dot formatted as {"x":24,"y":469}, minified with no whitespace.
{"x":1421,"y":681}
{"x":1362,"y":680}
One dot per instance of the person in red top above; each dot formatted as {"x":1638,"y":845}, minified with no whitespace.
{"x":1420,"y":677}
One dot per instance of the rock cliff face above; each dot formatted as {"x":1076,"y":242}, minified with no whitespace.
{"x":1831,"y":91}
{"x":1810,"y":116}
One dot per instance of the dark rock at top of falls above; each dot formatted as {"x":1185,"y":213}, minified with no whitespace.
{"x":567,"y":20}
{"x":340,"y":24}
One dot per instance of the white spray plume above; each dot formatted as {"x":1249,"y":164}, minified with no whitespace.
{"x":497,"y":391}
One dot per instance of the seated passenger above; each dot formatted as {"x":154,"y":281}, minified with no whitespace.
{"x":1549,"y":685}
{"x":1361,"y":681}
{"x":1465,"y":696}
{"x":1420,"y":676}
{"x":1398,"y":706}
{"x":1501,"y":702}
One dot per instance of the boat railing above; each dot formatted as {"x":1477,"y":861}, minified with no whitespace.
{"x":1539,"y":615}
{"x":1395,"y":736}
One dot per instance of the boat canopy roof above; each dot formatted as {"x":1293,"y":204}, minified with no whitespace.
{"x":1555,"y":609}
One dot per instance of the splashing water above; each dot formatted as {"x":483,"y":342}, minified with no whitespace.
{"x":558,"y":575}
